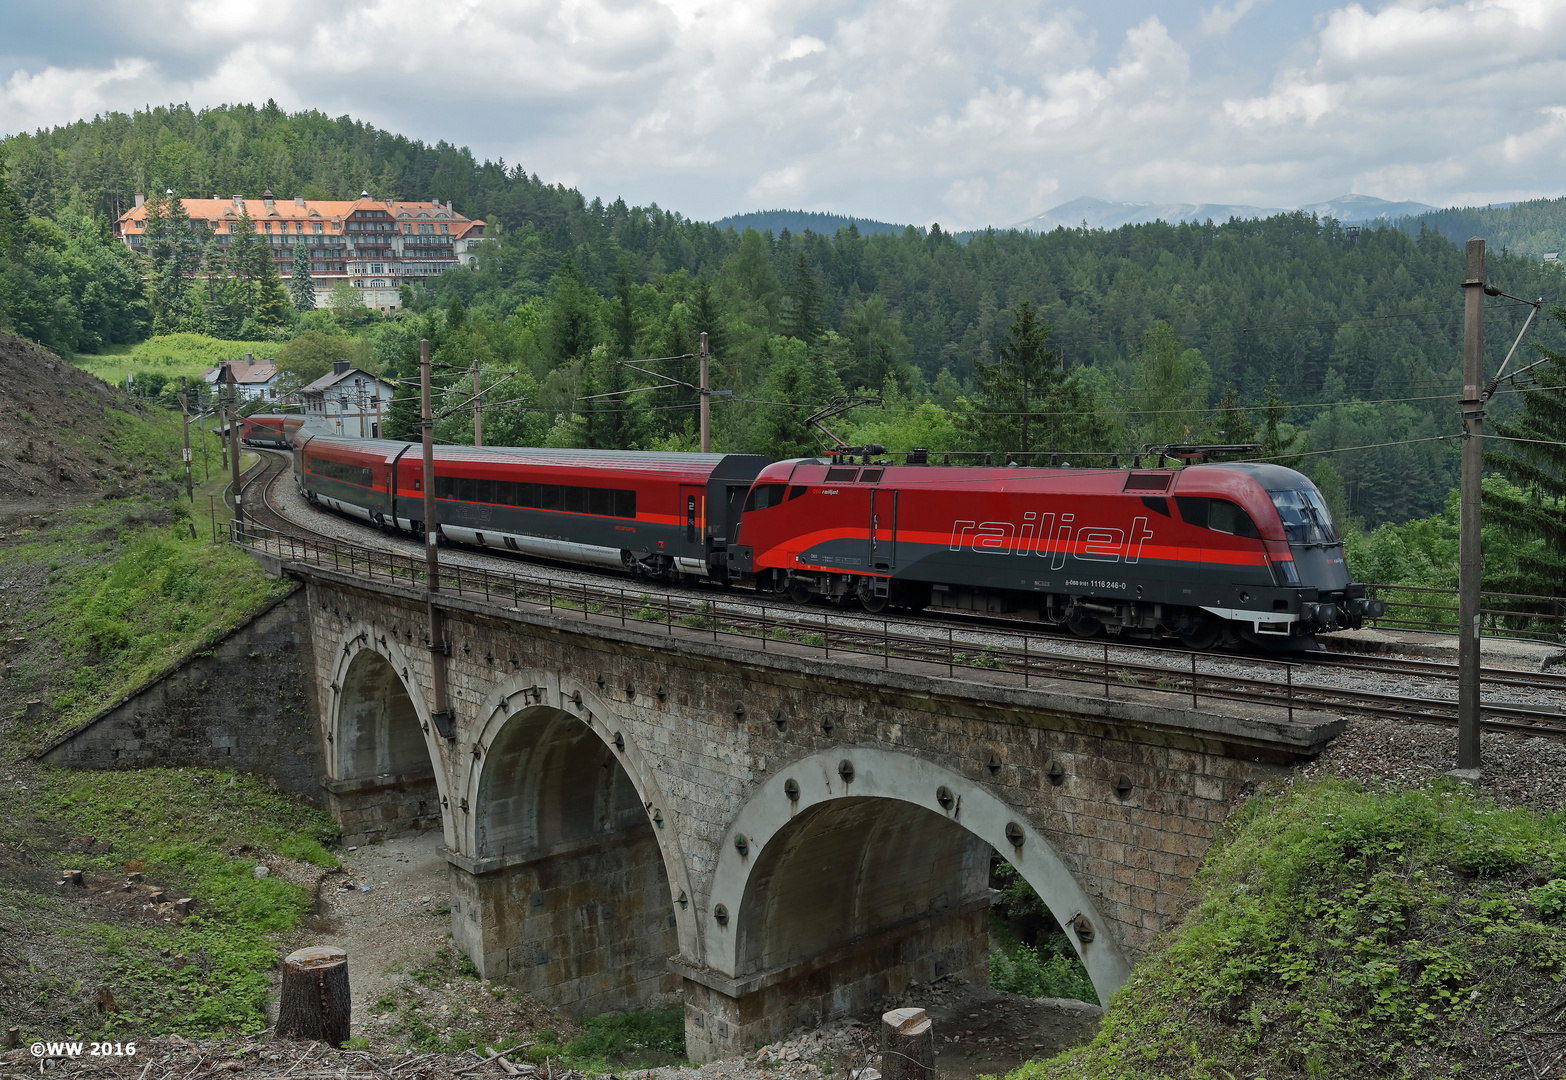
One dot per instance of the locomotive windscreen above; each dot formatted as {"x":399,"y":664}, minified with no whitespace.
{"x":1305,"y":517}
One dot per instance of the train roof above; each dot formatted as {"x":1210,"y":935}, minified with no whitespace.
{"x":703,"y":466}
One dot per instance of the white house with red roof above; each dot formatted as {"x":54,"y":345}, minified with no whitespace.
{"x":252,"y":378}
{"x":374,"y":245}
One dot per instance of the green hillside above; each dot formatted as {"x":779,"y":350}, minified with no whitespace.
{"x":1533,"y":228}
{"x":1155,"y":332}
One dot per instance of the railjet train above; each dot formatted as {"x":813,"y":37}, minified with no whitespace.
{"x":1210,"y":554}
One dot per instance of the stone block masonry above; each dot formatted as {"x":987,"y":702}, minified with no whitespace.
{"x":248,"y":703}
{"x":817,"y":829}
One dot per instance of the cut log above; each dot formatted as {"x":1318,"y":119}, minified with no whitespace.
{"x":907,"y":1045}
{"x":315,"y":1003}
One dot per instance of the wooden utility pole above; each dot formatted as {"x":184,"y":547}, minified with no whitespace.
{"x":358,"y":391}
{"x":478,"y":408}
{"x":1469,"y":564}
{"x":233,"y":449}
{"x":706,"y":401}
{"x":184,"y":411}
{"x":441,"y":713}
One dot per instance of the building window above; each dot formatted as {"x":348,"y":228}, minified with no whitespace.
{"x":315,"y":228}
{"x":358,"y":284}
{"x":377,"y":268}
{"x":445,"y":228}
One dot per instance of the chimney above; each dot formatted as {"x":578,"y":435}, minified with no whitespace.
{"x":140,"y":198}
{"x":249,"y":359}
{"x":239,"y":202}
{"x":298,"y":200}
{"x":339,"y":366}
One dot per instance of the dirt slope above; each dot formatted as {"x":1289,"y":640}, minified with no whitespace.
{"x":56,"y":431}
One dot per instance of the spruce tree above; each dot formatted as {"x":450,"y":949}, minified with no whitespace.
{"x":802,"y":319}
{"x":301,"y":286}
{"x":1538,"y":511}
{"x":272,"y":308}
{"x":176,"y":256}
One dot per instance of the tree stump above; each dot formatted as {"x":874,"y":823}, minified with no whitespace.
{"x":907,"y":1045}
{"x":315,"y":1002}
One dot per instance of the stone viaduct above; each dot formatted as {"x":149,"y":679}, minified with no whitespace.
{"x":780,"y":836}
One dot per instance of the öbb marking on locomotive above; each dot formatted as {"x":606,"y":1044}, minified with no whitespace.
{"x":1209,"y":554}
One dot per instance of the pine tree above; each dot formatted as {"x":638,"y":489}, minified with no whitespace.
{"x":1538,"y":512}
{"x":243,"y":256}
{"x":402,"y":418}
{"x":172,"y":245}
{"x":1231,"y":425}
{"x":802,"y":319}
{"x":301,"y":286}
{"x":1282,"y":443}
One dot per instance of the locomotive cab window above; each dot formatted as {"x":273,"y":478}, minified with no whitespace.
{"x":1219,"y":515}
{"x":765,"y":495}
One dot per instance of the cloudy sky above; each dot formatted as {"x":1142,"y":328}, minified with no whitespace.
{"x":984,"y":112}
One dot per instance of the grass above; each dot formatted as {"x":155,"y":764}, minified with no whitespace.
{"x":129,"y":591}
{"x":1340,"y":932}
{"x":170,"y":355}
{"x":442,"y":1007}
{"x":196,"y":832}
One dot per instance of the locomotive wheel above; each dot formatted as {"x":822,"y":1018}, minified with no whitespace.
{"x":874,"y":604}
{"x":798,"y":592}
{"x":1083,"y":625}
{"x":1203,"y":636}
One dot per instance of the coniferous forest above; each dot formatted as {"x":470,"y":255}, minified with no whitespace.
{"x":1337,"y":350}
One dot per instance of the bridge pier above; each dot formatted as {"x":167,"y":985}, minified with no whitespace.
{"x":584,"y":926}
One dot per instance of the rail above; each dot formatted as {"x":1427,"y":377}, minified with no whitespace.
{"x":1417,"y":607}
{"x":976,"y":653}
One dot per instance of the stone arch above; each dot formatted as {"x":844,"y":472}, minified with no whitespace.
{"x":386,"y":766}
{"x":841,"y":829}
{"x":561,"y":802}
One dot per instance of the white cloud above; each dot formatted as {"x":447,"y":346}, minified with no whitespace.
{"x":901,"y":109}
{"x":1219,"y":20}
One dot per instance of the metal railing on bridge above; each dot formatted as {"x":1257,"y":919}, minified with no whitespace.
{"x":1001,"y":656}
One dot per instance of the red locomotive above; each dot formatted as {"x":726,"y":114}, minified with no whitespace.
{"x":1206,"y":553}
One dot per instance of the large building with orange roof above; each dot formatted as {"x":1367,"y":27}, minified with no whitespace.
{"x":374,"y":245}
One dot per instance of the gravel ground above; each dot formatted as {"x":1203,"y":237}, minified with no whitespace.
{"x":1518,"y":770}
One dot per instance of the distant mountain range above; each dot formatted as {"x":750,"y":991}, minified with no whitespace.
{"x":1349,"y":209}
{"x":800,"y":220}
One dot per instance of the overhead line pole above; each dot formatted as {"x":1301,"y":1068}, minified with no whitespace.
{"x":441,"y":713}
{"x":706,"y":400}
{"x":1469,"y":562}
{"x":184,"y":411}
{"x":478,"y":408}
{"x":233,"y":448}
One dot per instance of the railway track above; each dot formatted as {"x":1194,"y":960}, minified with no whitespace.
{"x":1379,"y":686}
